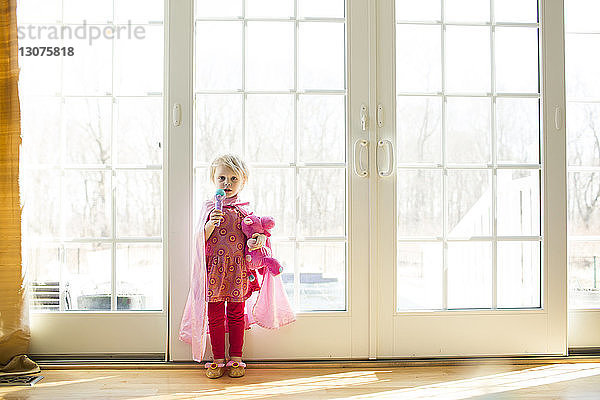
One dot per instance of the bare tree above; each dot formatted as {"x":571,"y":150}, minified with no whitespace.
{"x":585,"y":186}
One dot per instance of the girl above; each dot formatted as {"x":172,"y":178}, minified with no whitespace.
{"x":220,"y":280}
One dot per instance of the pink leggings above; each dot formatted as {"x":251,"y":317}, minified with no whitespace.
{"x":235,"y":324}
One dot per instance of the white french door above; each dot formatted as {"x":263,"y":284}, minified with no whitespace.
{"x":280,"y":83}
{"x":92,"y":105}
{"x":453,"y":229}
{"x":412,"y":154}
{"x":471,"y":238}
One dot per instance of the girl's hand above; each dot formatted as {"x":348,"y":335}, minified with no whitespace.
{"x":261,"y":240}
{"x":215,"y":216}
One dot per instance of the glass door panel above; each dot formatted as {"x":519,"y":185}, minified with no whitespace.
{"x":280,"y":102}
{"x":461,"y":180}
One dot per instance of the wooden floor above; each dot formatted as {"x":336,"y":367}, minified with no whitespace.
{"x":497,"y":380}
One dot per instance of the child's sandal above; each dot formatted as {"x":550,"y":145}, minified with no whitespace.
{"x":236,"y":369}
{"x":214,"y":370}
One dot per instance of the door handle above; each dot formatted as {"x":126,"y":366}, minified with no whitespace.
{"x":360,"y":145}
{"x":364,"y":118}
{"x":557,"y":118}
{"x":176,"y":115}
{"x":390,"y":152}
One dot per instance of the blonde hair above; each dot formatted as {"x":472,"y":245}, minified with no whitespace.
{"x":233,"y":162}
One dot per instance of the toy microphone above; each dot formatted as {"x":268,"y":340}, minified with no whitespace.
{"x":219,"y":202}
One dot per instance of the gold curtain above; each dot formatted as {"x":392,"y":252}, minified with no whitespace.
{"x":14,"y":324}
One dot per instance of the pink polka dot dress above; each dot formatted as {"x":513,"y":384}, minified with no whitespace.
{"x":227,"y":275}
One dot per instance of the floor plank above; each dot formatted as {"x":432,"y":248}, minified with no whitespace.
{"x":498,"y":381}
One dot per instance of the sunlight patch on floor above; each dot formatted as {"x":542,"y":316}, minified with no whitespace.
{"x":466,"y":388}
{"x":61,"y":383}
{"x":42,"y":384}
{"x":278,"y":388}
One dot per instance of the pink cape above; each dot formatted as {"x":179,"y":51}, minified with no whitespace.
{"x":270,"y":309}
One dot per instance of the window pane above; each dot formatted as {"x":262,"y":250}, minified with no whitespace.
{"x":40,"y":129}
{"x":322,"y":276}
{"x":43,"y":276}
{"x":140,"y":61}
{"x":269,"y":8}
{"x":86,"y":199}
{"x":322,"y":201}
{"x":583,"y":133}
{"x":423,"y":10}
{"x":87,"y":129}
{"x":39,"y":75}
{"x":583,"y":209}
{"x":516,"y":11}
{"x":469,"y":203}
{"x":41,"y":198}
{"x":518,"y":202}
{"x":218,"y":55}
{"x":221,"y":8}
{"x":320,"y":8}
{"x":581,"y":15}
{"x":283,"y":251}
{"x":518,"y":130}
{"x":467,"y":59}
{"x":517,"y":60}
{"x":270,"y":128}
{"x":469,"y":275}
{"x":419,"y":202}
{"x":89,"y":71}
{"x":138,"y":10}
{"x":269,"y":191}
{"x":139,"y":199}
{"x":321,"y":55}
{"x":519,"y":274}
{"x":204,"y":190}
{"x":322,"y":128}
{"x":139,"y":276}
{"x":419,"y":276}
{"x":270,"y":56}
{"x":76,"y":11}
{"x":220,"y":114}
{"x":39,"y":11}
{"x":139,"y":130}
{"x":87,"y":276}
{"x":418,"y":58}
{"x":419,"y":129}
{"x":468,"y":130}
{"x":467,"y":10}
{"x":581,"y":65}
{"x":584,"y":274}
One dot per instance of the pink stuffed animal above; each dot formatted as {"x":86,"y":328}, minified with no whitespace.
{"x":260,"y":258}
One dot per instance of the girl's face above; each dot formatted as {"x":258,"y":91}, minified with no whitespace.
{"x":225,"y":178}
